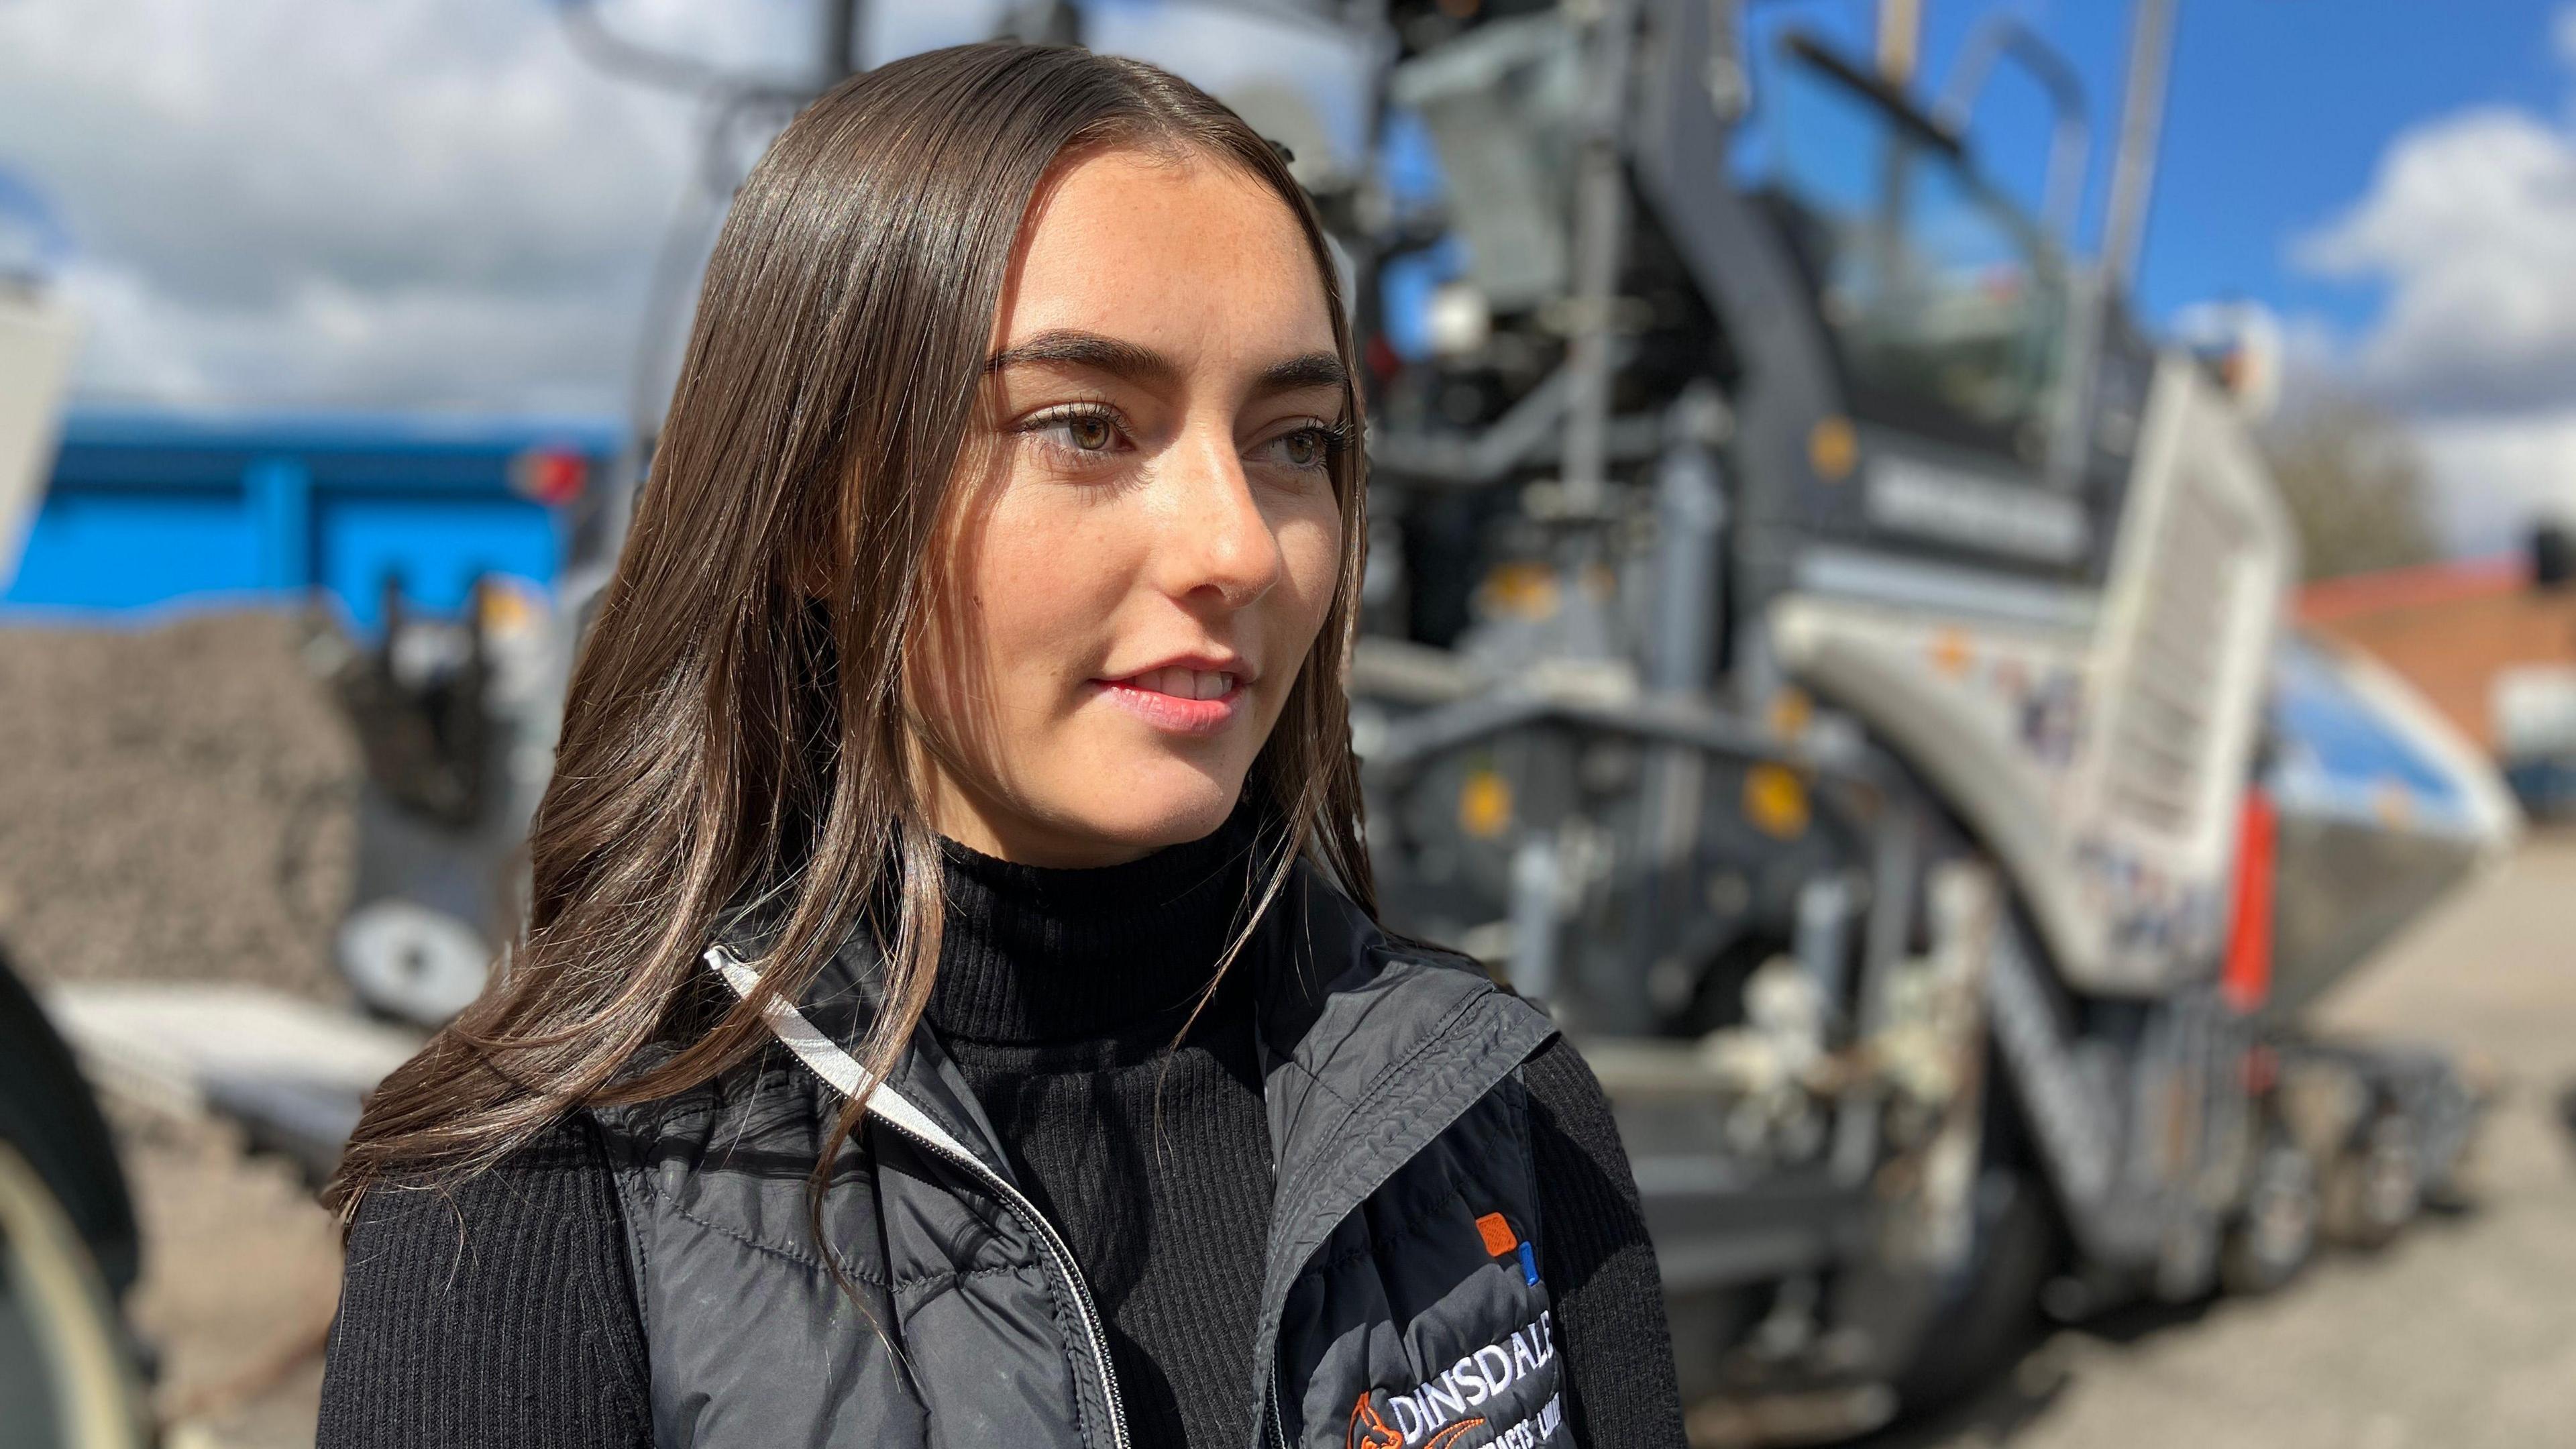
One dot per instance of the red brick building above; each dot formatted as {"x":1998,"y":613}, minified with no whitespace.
{"x":2453,"y":630}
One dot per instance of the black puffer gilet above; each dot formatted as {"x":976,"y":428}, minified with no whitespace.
{"x":1401,"y":1306}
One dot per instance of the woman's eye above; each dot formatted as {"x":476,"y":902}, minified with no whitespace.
{"x":1307,"y":450}
{"x":1083,"y":436}
{"x":1090,"y":434}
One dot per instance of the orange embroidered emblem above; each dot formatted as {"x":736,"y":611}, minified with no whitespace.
{"x":1370,"y":1430}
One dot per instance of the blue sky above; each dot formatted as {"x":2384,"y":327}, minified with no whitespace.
{"x":2277,"y":115}
{"x":438,"y":204}
{"x":2281,"y":111}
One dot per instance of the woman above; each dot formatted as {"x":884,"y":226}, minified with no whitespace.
{"x":951,"y":1010}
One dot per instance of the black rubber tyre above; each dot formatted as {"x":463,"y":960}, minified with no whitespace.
{"x":2273,"y":1240}
{"x":68,"y":1248}
{"x":2375,"y":1185}
{"x":1994,"y":1314}
{"x":65,"y":1370}
{"x":48,"y":1114}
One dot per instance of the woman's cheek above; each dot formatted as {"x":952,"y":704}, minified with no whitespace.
{"x":1312,"y":545}
{"x":1046,"y":579}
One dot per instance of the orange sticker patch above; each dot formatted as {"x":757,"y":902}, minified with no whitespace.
{"x":1499,"y":1237}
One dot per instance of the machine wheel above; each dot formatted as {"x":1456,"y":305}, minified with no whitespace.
{"x":68,"y":1373}
{"x":64,"y":1365}
{"x":2375,"y":1185}
{"x":2276,"y":1235}
{"x":1996,"y":1306}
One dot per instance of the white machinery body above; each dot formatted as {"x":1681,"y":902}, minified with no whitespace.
{"x":37,"y":338}
{"x":2102,"y":756}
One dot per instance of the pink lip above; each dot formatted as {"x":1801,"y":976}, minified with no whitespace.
{"x":1174,"y":714}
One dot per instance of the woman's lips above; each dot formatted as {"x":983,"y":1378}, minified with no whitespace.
{"x":1180,"y":700}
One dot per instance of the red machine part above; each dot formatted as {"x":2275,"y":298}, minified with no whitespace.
{"x":2246,"y":980}
{"x":550,"y":475}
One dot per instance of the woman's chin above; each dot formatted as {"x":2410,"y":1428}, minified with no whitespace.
{"x":1146,"y":814}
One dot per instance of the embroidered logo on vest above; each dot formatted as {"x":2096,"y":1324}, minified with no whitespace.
{"x":1369,"y":1431}
{"x":1434,"y":1415}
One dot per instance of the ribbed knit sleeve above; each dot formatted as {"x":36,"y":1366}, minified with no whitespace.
{"x":1598,"y":1263}
{"x":496,"y":1313}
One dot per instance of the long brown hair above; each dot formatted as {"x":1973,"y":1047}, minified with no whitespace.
{"x":730,"y":737}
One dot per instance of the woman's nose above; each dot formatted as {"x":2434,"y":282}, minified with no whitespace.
{"x":1219,"y":541}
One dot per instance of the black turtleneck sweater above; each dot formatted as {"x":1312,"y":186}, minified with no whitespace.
{"x":500,"y":1313}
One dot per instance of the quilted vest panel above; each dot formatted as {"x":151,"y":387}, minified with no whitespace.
{"x":1402,"y":1306}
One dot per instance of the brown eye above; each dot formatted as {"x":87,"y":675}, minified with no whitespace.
{"x":1307,"y":450}
{"x":1077,"y":437}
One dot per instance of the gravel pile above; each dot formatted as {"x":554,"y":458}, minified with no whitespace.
{"x":174,"y":803}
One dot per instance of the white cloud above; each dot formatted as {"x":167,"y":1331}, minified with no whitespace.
{"x":408,"y":203}
{"x":321,"y":341}
{"x":2496,"y":473}
{"x":277,"y":201}
{"x":2469,"y":224}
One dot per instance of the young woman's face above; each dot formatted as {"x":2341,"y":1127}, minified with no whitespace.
{"x":1145,"y":538}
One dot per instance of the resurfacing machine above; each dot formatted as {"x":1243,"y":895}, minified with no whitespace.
{"x":1819,"y":646}
{"x":1828,"y":653}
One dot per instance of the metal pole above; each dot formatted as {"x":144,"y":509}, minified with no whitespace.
{"x":844,"y":21}
{"x":1690,"y":554}
{"x":2124,"y":228}
{"x":2070,"y":136}
{"x":1600,"y":231}
{"x":2133,"y":165}
{"x":1533,"y":917}
{"x":1900,"y":40}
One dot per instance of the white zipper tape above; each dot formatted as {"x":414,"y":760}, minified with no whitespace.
{"x":843,"y":1072}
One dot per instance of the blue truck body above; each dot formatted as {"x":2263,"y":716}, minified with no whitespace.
{"x":152,"y":509}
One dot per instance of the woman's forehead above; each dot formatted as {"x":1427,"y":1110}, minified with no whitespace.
{"x":1184,"y":256}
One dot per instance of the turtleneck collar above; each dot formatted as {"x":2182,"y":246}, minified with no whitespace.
{"x":1031,"y":955}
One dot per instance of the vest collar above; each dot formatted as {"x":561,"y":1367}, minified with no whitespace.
{"x":838,"y":1006}
{"x":1373,"y":1049}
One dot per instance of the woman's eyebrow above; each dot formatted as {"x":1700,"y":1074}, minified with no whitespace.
{"x":1313,"y":369}
{"x":1138,"y":363}
{"x":1111,"y":355}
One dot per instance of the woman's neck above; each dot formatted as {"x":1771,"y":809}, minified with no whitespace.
{"x":1035,"y":954}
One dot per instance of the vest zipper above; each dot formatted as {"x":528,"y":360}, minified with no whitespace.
{"x":1278,"y":1419}
{"x":1094,"y":1332}
{"x":842,"y":1072}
